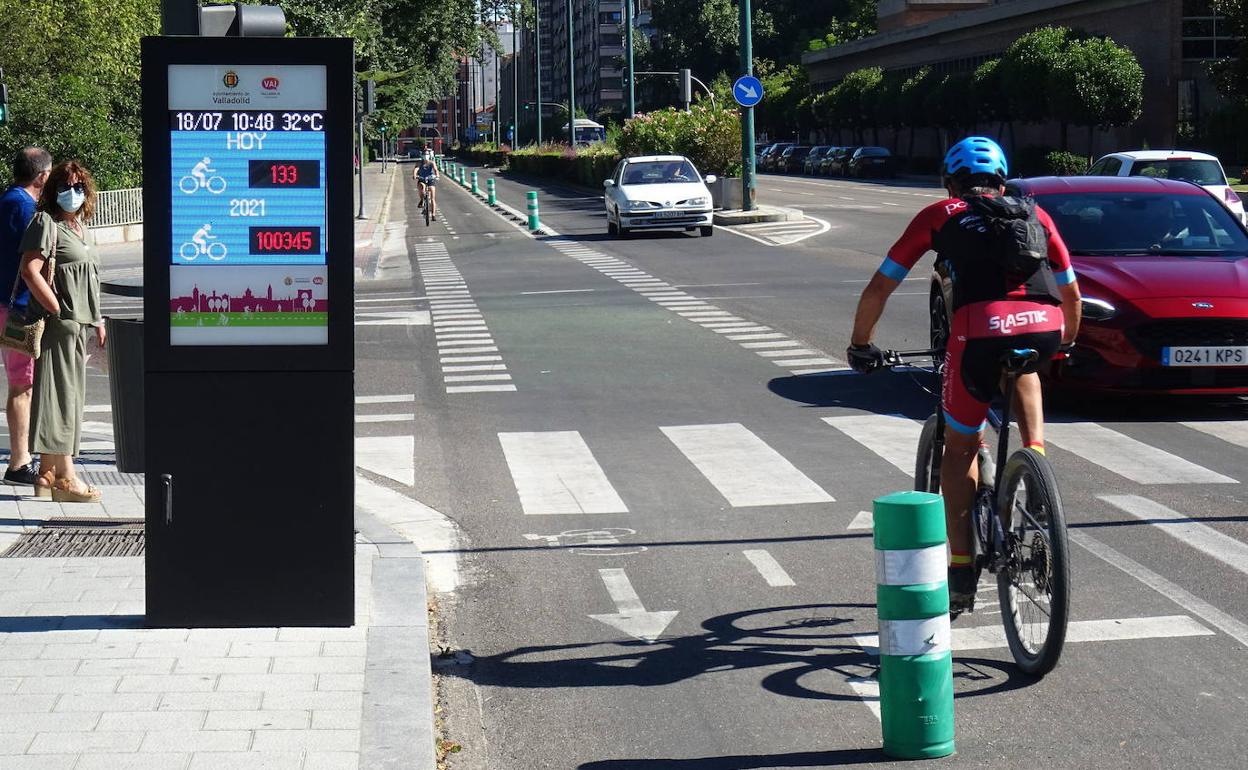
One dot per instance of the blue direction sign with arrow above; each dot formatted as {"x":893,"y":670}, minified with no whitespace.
{"x":748,"y":91}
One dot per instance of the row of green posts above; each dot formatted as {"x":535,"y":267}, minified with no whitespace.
{"x":468,"y":180}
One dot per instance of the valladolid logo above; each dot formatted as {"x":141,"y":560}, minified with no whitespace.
{"x":231,"y":95}
{"x":269,"y":87}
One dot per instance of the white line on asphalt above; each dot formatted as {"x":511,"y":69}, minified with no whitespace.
{"x":770,"y":344}
{"x":400,"y":399}
{"x":555,"y":473}
{"x":468,"y":359}
{"x":453,"y":342}
{"x":481,"y":389}
{"x":364,"y":300}
{"x":1132,"y":459}
{"x":769,"y":568}
{"x":558,"y":291}
{"x":712,"y":285}
{"x":482,"y":349}
{"x":736,"y":328}
{"x":1231,"y":431}
{"x":743,"y":467}
{"x":477,"y":377}
{"x":891,"y":436}
{"x":863,"y":520}
{"x":743,"y":337}
{"x":836,"y":366}
{"x":790,"y":362}
{"x":1205,"y":539}
{"x":476,"y":368}
{"x":1188,"y":601}
{"x":1111,"y":630}
{"x":867,"y":688}
{"x":630,"y":614}
{"x":787,"y":352}
{"x":362,"y":418}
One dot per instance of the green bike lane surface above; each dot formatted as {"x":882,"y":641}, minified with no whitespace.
{"x":747,"y":674}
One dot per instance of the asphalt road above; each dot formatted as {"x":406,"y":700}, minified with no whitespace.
{"x":656,"y":467}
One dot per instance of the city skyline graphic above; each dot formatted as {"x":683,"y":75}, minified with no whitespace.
{"x":299,"y":300}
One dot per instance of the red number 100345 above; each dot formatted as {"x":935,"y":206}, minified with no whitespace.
{"x":284,"y":174}
{"x":285,"y":240}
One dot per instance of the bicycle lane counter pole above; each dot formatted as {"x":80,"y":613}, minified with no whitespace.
{"x":535,"y":222}
{"x":912,"y":599}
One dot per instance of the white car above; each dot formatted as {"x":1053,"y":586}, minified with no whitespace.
{"x":657,"y":192}
{"x":1197,"y":167}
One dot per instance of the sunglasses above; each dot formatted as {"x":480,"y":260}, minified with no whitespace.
{"x":79,"y":187}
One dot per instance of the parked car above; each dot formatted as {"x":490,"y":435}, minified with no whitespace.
{"x":825,"y":163}
{"x":1196,"y":167}
{"x":811,"y":164}
{"x":657,"y":192}
{"x":791,"y":160}
{"x":772,"y":154}
{"x":871,"y":161}
{"x":1163,"y":270}
{"x":759,"y":149}
{"x":839,"y":162}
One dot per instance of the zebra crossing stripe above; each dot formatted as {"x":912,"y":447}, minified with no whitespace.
{"x":1128,"y":457}
{"x":891,"y":436}
{"x":1231,"y":431}
{"x":1203,"y":538}
{"x":742,"y":467}
{"x":555,"y":473}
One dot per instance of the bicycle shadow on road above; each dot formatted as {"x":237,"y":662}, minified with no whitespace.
{"x":804,"y":651}
{"x":897,"y":391}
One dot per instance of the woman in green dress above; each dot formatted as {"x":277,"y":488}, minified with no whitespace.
{"x":72,"y":302}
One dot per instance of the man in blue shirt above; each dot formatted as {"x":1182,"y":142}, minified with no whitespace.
{"x":31,"y":167}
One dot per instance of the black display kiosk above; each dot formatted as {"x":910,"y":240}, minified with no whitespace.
{"x":249,"y":365}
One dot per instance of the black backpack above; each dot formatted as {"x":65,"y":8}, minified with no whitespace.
{"x":1020,"y":243}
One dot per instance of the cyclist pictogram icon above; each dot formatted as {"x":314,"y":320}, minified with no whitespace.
{"x":199,"y":244}
{"x":198,"y":179}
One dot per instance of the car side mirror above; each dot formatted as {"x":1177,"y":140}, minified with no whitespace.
{"x":608,"y":183}
{"x":711,"y":179}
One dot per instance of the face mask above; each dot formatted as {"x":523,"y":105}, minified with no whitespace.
{"x":70,"y":200}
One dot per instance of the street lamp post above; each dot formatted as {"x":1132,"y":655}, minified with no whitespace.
{"x":571,"y":82}
{"x":498,"y":118}
{"x":747,"y":116}
{"x":515,"y":74}
{"x":537,"y":58}
{"x":628,"y":58}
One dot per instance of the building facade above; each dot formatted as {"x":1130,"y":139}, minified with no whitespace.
{"x":1172,"y":39}
{"x":598,"y":53}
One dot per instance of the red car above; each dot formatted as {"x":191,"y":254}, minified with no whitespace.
{"x":1163,"y":270}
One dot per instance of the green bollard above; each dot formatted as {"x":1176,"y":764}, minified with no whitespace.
{"x":912,"y":598}
{"x":475,"y":191}
{"x":535,"y":222}
{"x":490,"y":197}
{"x":461,"y":175}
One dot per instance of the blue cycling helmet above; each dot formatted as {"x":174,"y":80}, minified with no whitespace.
{"x":976,"y":155}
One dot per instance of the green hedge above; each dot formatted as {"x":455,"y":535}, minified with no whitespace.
{"x":710,"y":137}
{"x":588,"y":166}
{"x":485,"y":154}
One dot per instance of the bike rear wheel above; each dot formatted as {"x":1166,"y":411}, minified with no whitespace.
{"x":927,"y":464}
{"x":1034,"y":588}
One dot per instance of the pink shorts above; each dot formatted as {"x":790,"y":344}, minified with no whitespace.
{"x":18,"y":366}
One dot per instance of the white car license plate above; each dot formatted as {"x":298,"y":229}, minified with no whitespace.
{"x":1225,"y":355}
{"x":670,"y":214}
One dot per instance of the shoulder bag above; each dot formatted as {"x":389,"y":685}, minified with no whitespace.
{"x":23,"y":329}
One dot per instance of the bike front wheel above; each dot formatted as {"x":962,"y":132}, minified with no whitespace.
{"x":927,"y":463}
{"x":1034,"y":586}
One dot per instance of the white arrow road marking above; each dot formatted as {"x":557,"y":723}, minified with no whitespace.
{"x":630,"y":616}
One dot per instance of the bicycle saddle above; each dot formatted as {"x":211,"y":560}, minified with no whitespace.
{"x":1016,"y":360}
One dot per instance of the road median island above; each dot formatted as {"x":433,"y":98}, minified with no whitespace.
{"x":731,"y":217}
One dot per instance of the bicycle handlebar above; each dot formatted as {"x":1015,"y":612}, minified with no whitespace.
{"x":901,"y":357}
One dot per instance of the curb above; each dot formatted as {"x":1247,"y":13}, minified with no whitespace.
{"x":761,"y":214}
{"x":396,"y":730}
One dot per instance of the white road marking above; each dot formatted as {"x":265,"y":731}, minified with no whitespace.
{"x":769,"y":568}
{"x":631,"y":616}
{"x":787,"y":352}
{"x":363,"y":418}
{"x":1231,"y":431}
{"x":481,"y":388}
{"x":558,"y":291}
{"x":736,"y":328}
{"x":476,"y":377}
{"x":1113,"y":630}
{"x":1132,"y":459}
{"x":864,"y":520}
{"x":389,"y":456}
{"x":745,"y":470}
{"x":1205,"y":539}
{"x":744,"y":337}
{"x":399,"y":399}
{"x":555,"y":472}
{"x":468,"y":359}
{"x":891,"y":436}
{"x":770,"y":344}
{"x":791,"y":362}
{"x":475,"y":368}
{"x":1188,"y":601}
{"x":868,"y":689}
{"x":482,"y":349}
{"x":450,"y":343}
{"x":396,"y":318}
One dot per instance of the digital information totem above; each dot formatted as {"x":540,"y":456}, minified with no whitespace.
{"x":248,"y":271}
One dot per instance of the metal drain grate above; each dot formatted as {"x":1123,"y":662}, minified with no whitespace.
{"x":68,"y":537}
{"x":112,"y":478}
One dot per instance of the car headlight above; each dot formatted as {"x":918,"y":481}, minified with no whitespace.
{"x":1097,"y":309}
{"x":638,"y":205}
{"x":697,"y":201}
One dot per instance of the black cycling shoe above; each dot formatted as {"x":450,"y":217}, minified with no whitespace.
{"x":963,"y":583}
{"x":25,"y":475}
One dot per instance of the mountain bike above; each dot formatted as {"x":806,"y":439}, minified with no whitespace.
{"x":1017,"y":518}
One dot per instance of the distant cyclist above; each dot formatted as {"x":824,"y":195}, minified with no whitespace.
{"x":201,"y":171}
{"x":1011,"y":273}
{"x":426,"y":176}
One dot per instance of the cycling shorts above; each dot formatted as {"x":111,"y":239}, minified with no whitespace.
{"x":428,"y":180}
{"x":980,"y":334}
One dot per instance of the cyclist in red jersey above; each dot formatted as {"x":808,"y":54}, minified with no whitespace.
{"x":994,"y":310}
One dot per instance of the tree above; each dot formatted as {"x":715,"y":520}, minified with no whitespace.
{"x":1096,"y":83}
{"x":1025,"y":71}
{"x":951,"y":104}
{"x":778,"y":113}
{"x":913,"y":102}
{"x":852,"y":20}
{"x":1231,"y":74}
{"x":991,"y":101}
{"x":855,"y":98}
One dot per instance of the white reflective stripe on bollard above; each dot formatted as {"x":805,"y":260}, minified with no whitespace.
{"x":909,"y":567}
{"x":926,"y":636}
